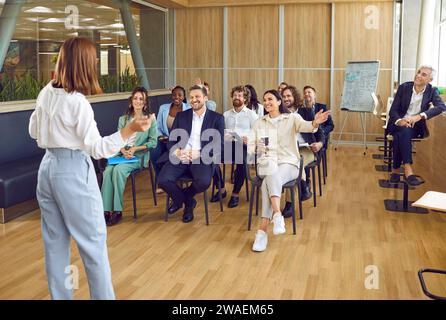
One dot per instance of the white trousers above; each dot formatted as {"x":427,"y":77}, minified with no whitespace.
{"x":272,"y":185}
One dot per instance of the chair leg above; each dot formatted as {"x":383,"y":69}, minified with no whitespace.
{"x":319,"y":178}
{"x":313,"y":173}
{"x":134,"y":196}
{"x":299,"y":192}
{"x":152,"y":181}
{"x":167,"y":208}
{"x":232,"y":173}
{"x":206,"y":212}
{"x":293,"y":206}
{"x":247,"y":188}
{"x":257,"y":200}
{"x":324,"y":168}
{"x":251,"y":203}
{"x":219,"y":193}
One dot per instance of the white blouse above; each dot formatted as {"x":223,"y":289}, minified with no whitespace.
{"x":66,"y":120}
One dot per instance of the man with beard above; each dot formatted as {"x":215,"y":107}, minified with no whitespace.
{"x":238,"y":121}
{"x":313,"y":142}
{"x":310,"y":102}
{"x":190,"y":153}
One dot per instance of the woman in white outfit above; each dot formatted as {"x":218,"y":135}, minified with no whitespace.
{"x":274,"y":138}
{"x":67,"y":190}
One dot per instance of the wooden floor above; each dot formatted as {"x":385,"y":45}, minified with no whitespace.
{"x":348,"y":231}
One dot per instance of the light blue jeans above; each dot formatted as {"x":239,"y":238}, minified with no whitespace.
{"x":71,"y":206}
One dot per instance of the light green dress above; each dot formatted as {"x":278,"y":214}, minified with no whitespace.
{"x":115,"y":176}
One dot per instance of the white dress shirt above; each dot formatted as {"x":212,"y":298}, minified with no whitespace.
{"x":194,"y":142}
{"x":66,"y":120}
{"x":240,"y":122}
{"x":414,"y":105}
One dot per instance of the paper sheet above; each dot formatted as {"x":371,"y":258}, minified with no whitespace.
{"x":432,"y":200}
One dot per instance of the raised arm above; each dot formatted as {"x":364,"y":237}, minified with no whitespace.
{"x":104,"y":147}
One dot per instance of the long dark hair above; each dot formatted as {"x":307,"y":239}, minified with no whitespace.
{"x":298,"y":102}
{"x":130,"y":111}
{"x":275,"y":93}
{"x":253,"y":102}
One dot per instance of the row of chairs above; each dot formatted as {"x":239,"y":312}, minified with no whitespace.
{"x":253,"y":181}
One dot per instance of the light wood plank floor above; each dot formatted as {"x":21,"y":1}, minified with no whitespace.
{"x":348,"y":231}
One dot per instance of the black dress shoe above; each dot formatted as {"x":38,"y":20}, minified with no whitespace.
{"x":413,"y":181}
{"x":188,"y":217}
{"x":215,"y":197}
{"x":188,"y":214}
{"x":233,"y":202}
{"x":115,"y":217}
{"x":287,"y":211}
{"x":107,"y":215}
{"x":394,"y":178}
{"x":174,"y":208}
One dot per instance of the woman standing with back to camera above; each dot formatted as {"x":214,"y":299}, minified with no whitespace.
{"x":67,"y":190}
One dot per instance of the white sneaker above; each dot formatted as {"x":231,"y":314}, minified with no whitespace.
{"x":260,"y":242}
{"x":279,"y":224}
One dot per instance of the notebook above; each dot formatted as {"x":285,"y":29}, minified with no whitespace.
{"x":118,"y":160}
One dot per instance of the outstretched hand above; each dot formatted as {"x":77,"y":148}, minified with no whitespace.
{"x":321,"y":116}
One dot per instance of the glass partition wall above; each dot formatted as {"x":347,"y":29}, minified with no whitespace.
{"x":42,"y":27}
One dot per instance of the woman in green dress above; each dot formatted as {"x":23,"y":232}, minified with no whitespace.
{"x":115,"y":176}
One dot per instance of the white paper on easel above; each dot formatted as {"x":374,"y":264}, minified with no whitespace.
{"x":432,"y":200}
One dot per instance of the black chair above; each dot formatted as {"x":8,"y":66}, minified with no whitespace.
{"x":423,"y":284}
{"x":404,"y":205}
{"x":152,"y":181}
{"x":313,"y":165}
{"x":187,"y":178}
{"x":256,"y":183}
{"x":323,"y":153}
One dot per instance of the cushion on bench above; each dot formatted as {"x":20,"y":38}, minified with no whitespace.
{"x":18,"y":180}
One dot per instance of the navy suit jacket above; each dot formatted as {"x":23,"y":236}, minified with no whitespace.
{"x":308,"y":115}
{"x":401,"y":104}
{"x":328,"y":125}
{"x":212,"y":120}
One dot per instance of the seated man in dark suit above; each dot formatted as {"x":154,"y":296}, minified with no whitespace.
{"x":407,"y":120}
{"x":195,"y":144}
{"x":310,"y":102}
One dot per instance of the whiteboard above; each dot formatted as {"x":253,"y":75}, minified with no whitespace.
{"x":361,"y":79}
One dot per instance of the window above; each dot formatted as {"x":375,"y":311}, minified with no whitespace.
{"x":443,"y":10}
{"x":43,"y":26}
